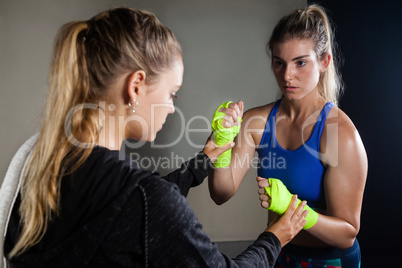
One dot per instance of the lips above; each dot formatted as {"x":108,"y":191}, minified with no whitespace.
{"x":162,"y":125}
{"x":290,"y":88}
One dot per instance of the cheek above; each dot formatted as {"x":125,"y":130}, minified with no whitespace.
{"x":311,"y":76}
{"x":160,"y":114}
{"x":278,"y":73}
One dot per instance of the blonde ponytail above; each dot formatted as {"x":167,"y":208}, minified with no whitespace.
{"x":40,"y":187}
{"x":313,"y":23}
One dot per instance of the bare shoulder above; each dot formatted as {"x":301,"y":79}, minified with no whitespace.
{"x":340,"y":138}
{"x":254,"y":121}
{"x":257,"y":116}
{"x":346,"y":129}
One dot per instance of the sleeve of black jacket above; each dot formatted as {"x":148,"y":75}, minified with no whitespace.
{"x":191,"y":173}
{"x":175,"y":237}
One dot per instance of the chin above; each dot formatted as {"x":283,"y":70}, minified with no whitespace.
{"x":291,"y":97}
{"x":294,"y":96}
{"x":151,"y":137}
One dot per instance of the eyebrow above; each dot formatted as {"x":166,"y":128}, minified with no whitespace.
{"x":297,"y":58}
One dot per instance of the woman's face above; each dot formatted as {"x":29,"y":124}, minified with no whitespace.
{"x":296,"y":67}
{"x":157,"y":102}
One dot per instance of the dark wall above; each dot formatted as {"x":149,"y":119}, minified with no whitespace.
{"x":369,"y":34}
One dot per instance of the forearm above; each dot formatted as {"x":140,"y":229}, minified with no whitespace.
{"x":191,"y":173}
{"x":334,"y":231}
{"x":262,"y":253}
{"x":221,"y":185}
{"x":224,"y":182}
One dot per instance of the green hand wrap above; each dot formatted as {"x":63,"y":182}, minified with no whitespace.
{"x":223,"y":135}
{"x":281,"y":198}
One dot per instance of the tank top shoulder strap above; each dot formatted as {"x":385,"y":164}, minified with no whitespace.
{"x":315,"y":138}
{"x":267,"y":137}
{"x":275,"y":109}
{"x":323,"y":117}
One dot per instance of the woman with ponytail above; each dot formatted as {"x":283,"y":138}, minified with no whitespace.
{"x":306,"y":146}
{"x":77,"y":201}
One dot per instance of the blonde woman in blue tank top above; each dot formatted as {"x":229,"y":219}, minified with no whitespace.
{"x":305,"y":141}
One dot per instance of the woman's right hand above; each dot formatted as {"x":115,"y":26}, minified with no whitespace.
{"x":230,"y":119}
{"x":213,"y":151}
{"x":233,"y":113}
{"x":291,"y":223}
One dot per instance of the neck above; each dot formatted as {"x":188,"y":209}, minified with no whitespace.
{"x":111,"y":136}
{"x":303,"y":107}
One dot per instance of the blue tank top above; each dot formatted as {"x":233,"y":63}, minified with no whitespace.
{"x":300,"y":170}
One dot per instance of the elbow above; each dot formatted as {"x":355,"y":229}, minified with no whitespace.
{"x":349,"y":240}
{"x":219,"y":200}
{"x":348,"y":243}
{"x":220,"y":196}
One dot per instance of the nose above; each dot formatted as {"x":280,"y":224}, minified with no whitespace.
{"x":288,"y":75}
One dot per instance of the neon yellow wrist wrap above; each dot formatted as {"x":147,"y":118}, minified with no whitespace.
{"x":281,"y":198}
{"x":223,"y":135}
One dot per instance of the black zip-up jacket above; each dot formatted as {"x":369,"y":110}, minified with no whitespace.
{"x":114,"y":214}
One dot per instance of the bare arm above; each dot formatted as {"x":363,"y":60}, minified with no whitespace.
{"x":344,"y":184}
{"x":224,"y":182}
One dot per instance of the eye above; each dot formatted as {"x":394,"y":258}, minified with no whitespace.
{"x":174,"y":96}
{"x":301,"y":63}
{"x":278,"y":63}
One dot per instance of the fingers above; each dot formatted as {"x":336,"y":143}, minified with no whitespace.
{"x":264,"y":198}
{"x":290,"y":223}
{"x":210,"y":143}
{"x":302,"y":220}
{"x":262,"y":182}
{"x":228,"y":121}
{"x":230,"y":112}
{"x":265,"y":201}
{"x":222,"y":148}
{"x":241,"y":107}
{"x":261,"y":191}
{"x":265,"y":204}
{"x":298,"y":212}
{"x":213,"y":151}
{"x":234,"y":111}
{"x":295,"y":215}
{"x":260,"y":178}
{"x":235,"y":107}
{"x":299,"y":218}
{"x":226,"y":147}
{"x":291,"y":208}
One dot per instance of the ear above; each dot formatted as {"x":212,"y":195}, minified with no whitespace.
{"x":325,"y":60}
{"x":136,"y":84}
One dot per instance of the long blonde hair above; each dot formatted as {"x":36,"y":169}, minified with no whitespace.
{"x":313,"y":23}
{"x":88,"y":58}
